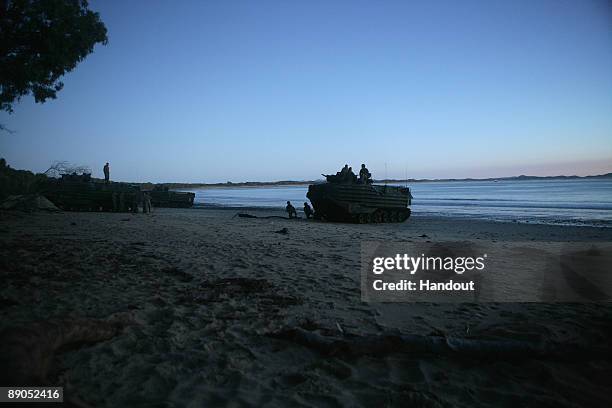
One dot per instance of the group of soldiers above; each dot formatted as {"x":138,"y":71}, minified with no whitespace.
{"x":344,"y":175}
{"x":347,"y":175}
{"x":121,"y":204}
{"x":308,"y":212}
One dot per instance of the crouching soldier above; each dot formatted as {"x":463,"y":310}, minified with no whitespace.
{"x":308,"y":211}
{"x":291,"y":210}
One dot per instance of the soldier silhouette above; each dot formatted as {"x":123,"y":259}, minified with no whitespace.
{"x":351,"y":177}
{"x":291,"y":210}
{"x":308,"y":211}
{"x":364,"y":175}
{"x":106,"y":173}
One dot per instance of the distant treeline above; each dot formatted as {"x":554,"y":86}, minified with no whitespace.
{"x":522,"y":177}
{"x":172,"y":186}
{"x":390,"y":181}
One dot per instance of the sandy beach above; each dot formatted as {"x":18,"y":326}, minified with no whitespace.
{"x":206,"y":297}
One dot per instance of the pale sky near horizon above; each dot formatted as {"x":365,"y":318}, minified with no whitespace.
{"x":211,"y":91}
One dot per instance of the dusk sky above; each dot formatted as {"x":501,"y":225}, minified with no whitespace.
{"x":209,"y":91}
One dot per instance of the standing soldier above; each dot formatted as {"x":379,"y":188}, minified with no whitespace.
{"x":307,"y":211}
{"x":106,"y":173}
{"x":146,"y":203}
{"x":291,"y":210}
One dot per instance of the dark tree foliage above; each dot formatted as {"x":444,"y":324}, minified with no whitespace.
{"x":41,"y":40}
{"x":19,"y":181}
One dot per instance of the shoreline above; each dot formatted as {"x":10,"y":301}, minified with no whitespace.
{"x":431,"y":215}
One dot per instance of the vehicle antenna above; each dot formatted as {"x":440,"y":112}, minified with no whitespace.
{"x":385,"y":173}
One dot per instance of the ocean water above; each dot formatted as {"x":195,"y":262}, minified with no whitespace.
{"x":575,"y":202}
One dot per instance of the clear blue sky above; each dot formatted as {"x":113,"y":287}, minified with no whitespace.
{"x":255,"y":90}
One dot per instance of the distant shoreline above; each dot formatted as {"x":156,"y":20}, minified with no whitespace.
{"x":396,"y":181}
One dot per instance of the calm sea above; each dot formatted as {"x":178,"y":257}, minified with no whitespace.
{"x":582,"y":202}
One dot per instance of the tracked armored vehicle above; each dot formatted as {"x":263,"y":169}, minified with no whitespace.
{"x":79,"y":192}
{"x":347,"y":201}
{"x":161,"y":196}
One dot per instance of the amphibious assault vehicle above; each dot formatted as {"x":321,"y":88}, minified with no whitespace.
{"x":161,"y":196}
{"x":79,"y":192}
{"x":347,"y":201}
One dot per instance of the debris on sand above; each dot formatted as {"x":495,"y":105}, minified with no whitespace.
{"x":245,"y":215}
{"x":28,"y":203}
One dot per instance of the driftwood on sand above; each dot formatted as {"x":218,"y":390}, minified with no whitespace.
{"x":28,"y":351}
{"x":245,"y":215}
{"x":388,"y":343}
